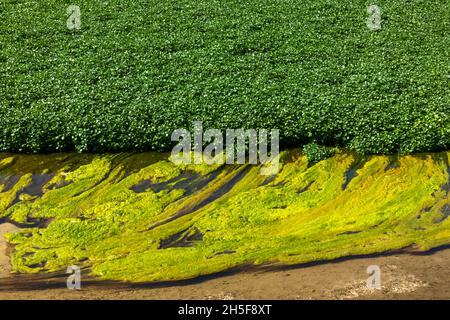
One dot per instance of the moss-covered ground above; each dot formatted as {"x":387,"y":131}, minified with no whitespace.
{"x":139,"y":217}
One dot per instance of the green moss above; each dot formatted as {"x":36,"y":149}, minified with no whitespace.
{"x":344,"y":205}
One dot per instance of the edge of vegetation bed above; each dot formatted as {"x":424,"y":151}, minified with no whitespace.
{"x":137,"y":70}
{"x":139,"y":217}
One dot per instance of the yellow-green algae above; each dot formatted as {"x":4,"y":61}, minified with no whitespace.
{"x":98,"y":217}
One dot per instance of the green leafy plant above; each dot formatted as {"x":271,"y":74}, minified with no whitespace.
{"x":137,"y":70}
{"x":315,"y":152}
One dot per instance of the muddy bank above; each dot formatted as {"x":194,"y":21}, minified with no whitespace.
{"x":5,"y":266}
{"x":403,"y":276}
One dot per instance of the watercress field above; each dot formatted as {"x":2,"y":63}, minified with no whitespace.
{"x":116,"y":89}
{"x":137,"y":70}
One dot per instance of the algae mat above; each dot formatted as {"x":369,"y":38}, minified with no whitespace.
{"x":139,"y":217}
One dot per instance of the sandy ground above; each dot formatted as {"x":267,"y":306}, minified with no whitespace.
{"x":5,"y":267}
{"x":403,"y":276}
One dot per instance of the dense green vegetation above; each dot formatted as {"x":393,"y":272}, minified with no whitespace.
{"x":137,"y":70}
{"x":315,"y":152}
{"x":139,"y":217}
